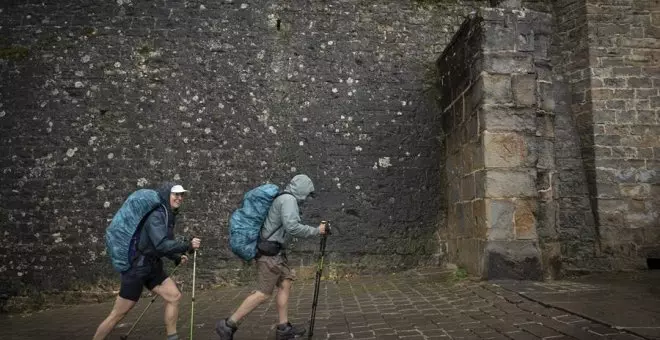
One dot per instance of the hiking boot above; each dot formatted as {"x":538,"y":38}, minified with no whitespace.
{"x":289,"y":332}
{"x":224,"y":331}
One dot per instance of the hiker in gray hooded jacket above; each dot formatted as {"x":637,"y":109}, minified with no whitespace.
{"x":282,"y":223}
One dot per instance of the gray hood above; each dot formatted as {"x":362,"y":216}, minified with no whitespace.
{"x":283,"y":221}
{"x":300,"y":187}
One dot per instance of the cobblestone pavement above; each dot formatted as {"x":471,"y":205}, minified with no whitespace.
{"x":629,"y":301}
{"x":420,"y":304}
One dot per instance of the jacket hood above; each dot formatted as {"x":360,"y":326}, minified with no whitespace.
{"x":300,"y":187}
{"x":164,"y":193}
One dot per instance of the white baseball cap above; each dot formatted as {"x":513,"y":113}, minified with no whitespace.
{"x":178,"y":189}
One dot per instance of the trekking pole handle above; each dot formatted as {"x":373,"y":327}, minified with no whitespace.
{"x":327,"y":227}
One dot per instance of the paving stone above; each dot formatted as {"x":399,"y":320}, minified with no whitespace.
{"x":346,"y":310}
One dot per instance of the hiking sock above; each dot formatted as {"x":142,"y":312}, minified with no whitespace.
{"x":232,"y":324}
{"x":173,"y":337}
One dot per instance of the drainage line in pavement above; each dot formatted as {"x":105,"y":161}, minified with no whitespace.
{"x":627,"y":330}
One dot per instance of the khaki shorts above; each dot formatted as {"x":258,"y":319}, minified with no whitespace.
{"x":271,"y":271}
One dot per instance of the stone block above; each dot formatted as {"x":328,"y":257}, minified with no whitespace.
{"x":503,"y":118}
{"x":467,"y":187}
{"x":542,"y":43}
{"x":552,"y":260}
{"x":458,"y":111}
{"x":647,"y":117}
{"x":479,"y":213}
{"x":546,"y":96}
{"x":654,"y":101}
{"x":642,"y":104}
{"x":480,"y":183}
{"x":622,"y":152}
{"x":612,"y":235}
{"x":645,"y":93}
{"x":512,"y":183}
{"x":613,"y":104}
{"x":545,"y":124}
{"x":508,"y":63}
{"x":513,"y":4}
{"x":504,"y":149}
{"x":607,"y":140}
{"x":651,"y":174}
{"x":640,"y":82}
{"x":524,"y":89}
{"x":454,"y":192}
{"x":603,"y":116}
{"x":474,"y":96}
{"x":547,"y":221}
{"x":468,"y":222}
{"x":625,"y":94}
{"x":467,"y":158}
{"x":525,"y":220}
{"x":602,"y":94}
{"x":547,"y":184}
{"x":478,"y":156}
{"x":544,"y":154}
{"x":460,"y":219}
{"x":499,"y":219}
{"x":497,"y":37}
{"x":608,"y":191}
{"x":642,"y":190}
{"x":615,"y":82}
{"x":625,"y":116}
{"x":472,"y":129}
{"x":611,"y":211}
{"x":452,"y":220}
{"x":497,"y":88}
{"x":525,"y":38}
{"x":622,"y":171}
{"x":468,"y":253}
{"x":516,"y":260}
{"x":645,"y":153}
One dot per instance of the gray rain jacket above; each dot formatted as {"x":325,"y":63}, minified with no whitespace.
{"x":284,"y":212}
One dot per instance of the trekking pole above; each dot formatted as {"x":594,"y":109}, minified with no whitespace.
{"x":124,"y":337}
{"x":317,"y":280}
{"x":192,"y":304}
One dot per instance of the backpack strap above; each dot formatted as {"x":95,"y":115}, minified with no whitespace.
{"x":138,"y":252}
{"x":280,"y":227}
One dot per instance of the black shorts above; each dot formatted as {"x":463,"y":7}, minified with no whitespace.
{"x":150,"y":275}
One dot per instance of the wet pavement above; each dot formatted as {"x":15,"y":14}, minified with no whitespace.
{"x":629,"y":301}
{"x":418,"y":304}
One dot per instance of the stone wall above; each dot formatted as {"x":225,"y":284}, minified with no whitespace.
{"x":576,"y":226}
{"x":497,"y":108}
{"x":461,"y":84}
{"x":606,"y":53}
{"x":99,"y":98}
{"x":624,"y":60}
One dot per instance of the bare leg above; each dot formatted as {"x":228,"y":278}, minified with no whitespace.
{"x":119,"y":310}
{"x":248,"y":305}
{"x":283,"y":300}
{"x":171,"y":294}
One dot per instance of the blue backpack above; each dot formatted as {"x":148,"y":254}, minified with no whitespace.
{"x":246,"y":222}
{"x":123,"y":234}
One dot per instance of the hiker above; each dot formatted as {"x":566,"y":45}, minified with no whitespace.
{"x":156,"y":241}
{"x":282,"y":222}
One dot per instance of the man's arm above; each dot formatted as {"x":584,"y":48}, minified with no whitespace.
{"x":176,"y":258}
{"x":291,"y":220}
{"x":156,"y":226}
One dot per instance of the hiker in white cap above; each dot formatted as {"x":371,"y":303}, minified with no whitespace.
{"x":156,"y":240}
